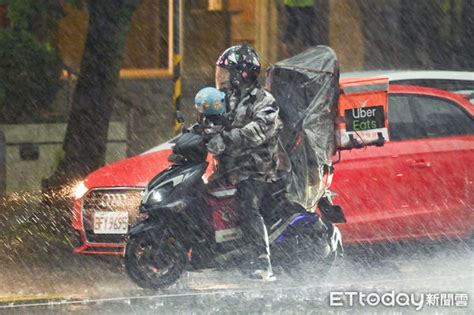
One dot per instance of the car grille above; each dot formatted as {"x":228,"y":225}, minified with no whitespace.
{"x":126,"y":199}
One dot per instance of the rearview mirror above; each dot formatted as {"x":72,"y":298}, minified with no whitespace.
{"x":179,"y":116}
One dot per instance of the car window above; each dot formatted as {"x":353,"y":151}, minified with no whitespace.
{"x":449,"y":85}
{"x":439,"y":117}
{"x":401,"y":123}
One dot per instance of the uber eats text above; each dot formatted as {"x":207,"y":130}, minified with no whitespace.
{"x":361,"y":119}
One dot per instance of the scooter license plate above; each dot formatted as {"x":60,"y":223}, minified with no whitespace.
{"x":110,"y":222}
{"x":228,"y":235}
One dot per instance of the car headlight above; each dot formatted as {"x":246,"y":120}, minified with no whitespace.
{"x":79,"y":190}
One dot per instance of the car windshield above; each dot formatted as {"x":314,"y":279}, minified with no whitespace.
{"x":166,"y":145}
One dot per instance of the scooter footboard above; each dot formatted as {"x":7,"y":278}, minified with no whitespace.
{"x":303,"y":234}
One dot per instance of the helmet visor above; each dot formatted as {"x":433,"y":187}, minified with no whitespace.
{"x":222,"y":78}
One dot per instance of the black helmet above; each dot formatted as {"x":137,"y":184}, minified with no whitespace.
{"x":243,"y":64}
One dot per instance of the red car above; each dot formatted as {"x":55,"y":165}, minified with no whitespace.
{"x":418,"y":185}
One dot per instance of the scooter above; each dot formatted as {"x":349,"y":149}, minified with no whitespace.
{"x":193,"y":224}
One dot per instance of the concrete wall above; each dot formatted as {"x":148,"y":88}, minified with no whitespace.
{"x":34,"y":150}
{"x":147,"y":112}
{"x":145,"y":108}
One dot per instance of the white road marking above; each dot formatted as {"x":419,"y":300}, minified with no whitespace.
{"x":229,"y":291}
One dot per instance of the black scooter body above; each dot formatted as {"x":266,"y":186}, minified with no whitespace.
{"x":176,"y":200}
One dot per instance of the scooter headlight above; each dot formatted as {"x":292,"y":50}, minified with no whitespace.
{"x":158,"y":194}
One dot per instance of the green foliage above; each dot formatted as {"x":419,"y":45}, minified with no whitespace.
{"x":29,"y":66}
{"x":37,"y":16}
{"x":29,"y":77}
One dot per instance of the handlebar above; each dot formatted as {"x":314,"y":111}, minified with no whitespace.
{"x":354,"y":144}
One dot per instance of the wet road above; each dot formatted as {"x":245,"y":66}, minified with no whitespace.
{"x":435,"y":277}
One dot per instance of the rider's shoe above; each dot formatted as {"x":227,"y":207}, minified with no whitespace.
{"x":263,"y":269}
{"x":264,"y":275}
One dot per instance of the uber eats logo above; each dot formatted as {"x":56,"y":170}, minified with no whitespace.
{"x":360,"y":119}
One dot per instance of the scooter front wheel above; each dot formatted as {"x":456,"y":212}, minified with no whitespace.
{"x":155,"y":260}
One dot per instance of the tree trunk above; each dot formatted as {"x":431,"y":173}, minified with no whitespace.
{"x":86,"y":134}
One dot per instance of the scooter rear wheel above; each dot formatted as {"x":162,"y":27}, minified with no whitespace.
{"x":155,"y":261}
{"x":311,"y":256}
{"x":312,"y":269}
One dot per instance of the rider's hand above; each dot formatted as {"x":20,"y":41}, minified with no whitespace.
{"x":216,"y":145}
{"x":212,"y":130}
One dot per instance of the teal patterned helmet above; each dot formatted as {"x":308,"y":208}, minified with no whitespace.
{"x":210,"y":102}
